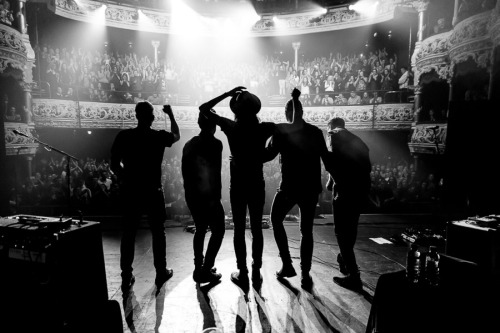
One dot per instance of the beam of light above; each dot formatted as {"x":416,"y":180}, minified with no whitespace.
{"x":144,"y":21}
{"x":185,"y":21}
{"x":98,"y":16}
{"x":366,"y":8}
{"x":279,"y":24}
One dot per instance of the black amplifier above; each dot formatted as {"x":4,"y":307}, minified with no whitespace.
{"x":53,"y":276}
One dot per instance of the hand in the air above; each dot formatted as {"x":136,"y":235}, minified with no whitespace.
{"x":167,"y":109}
{"x":236,"y":90}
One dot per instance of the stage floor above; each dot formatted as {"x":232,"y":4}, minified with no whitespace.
{"x":182,"y":306}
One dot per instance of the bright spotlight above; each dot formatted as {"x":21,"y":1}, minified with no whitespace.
{"x":365,"y":7}
{"x":89,"y":132}
{"x":98,"y":16}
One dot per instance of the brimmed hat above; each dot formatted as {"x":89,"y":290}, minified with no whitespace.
{"x":245,"y":102}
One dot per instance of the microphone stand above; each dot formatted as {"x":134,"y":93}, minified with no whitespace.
{"x":68,"y":160}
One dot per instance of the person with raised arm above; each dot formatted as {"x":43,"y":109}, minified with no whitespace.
{"x":247,"y":137}
{"x":136,"y":157}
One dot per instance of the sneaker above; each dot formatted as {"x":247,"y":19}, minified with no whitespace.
{"x":209,"y":276}
{"x":127,"y":283}
{"x":163,"y":277}
{"x":286,"y":271}
{"x":351,"y":282}
{"x":240,"y":278}
{"x":306,"y":281}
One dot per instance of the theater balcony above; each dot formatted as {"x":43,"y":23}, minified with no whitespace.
{"x":78,"y":114}
{"x":452,"y":68}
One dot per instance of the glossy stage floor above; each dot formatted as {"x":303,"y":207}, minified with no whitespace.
{"x":183,"y":306}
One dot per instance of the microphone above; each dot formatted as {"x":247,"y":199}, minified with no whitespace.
{"x":433,"y":128}
{"x":19,"y":133}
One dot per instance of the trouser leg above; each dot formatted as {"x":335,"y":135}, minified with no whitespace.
{"x":307,"y":205}
{"x":281,"y":206}
{"x":239,"y":208}
{"x":346,"y":218}
{"x":255,"y":208}
{"x":156,"y":218}
{"x":217,"y":226}
{"x":127,"y":245}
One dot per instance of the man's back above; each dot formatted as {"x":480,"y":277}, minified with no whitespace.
{"x":301,"y":148}
{"x":140,"y":150}
{"x":201,"y":167}
{"x":350,"y":156}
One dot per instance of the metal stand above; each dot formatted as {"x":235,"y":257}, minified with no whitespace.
{"x":68,"y":160}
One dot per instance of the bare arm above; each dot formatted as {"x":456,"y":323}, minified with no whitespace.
{"x":174,"y":128}
{"x":206,"y":107}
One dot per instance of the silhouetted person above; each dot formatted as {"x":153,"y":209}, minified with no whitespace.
{"x":136,"y":157}
{"x":247,"y":138}
{"x":301,"y":147}
{"x":201,"y":170}
{"x":350,"y":179}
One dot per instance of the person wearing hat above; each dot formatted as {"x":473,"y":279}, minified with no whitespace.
{"x":302,"y":147}
{"x":350,"y":181}
{"x":136,"y":157}
{"x":247,"y":137}
{"x":201,"y":171}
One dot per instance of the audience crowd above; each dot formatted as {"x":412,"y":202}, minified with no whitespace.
{"x":396,"y":187}
{"x":114,"y":77}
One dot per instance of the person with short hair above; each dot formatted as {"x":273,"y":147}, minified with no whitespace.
{"x":201,"y":171}
{"x":136,"y":157}
{"x":350,"y":181}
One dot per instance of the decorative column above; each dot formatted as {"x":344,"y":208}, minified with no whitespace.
{"x":27,"y":102}
{"x":156,"y":44}
{"x":421,"y":7}
{"x":29,"y":160}
{"x":455,"y":13}
{"x":296,"y":47}
{"x":21,"y":17}
{"x":418,"y":102}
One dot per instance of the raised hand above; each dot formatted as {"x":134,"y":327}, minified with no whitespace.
{"x":167,"y":109}
{"x":236,"y":90}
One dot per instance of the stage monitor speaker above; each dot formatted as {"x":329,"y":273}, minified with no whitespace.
{"x":54,"y":281}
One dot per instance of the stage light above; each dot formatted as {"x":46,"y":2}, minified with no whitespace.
{"x":365,"y":7}
{"x":89,"y":132}
{"x":375,"y":34}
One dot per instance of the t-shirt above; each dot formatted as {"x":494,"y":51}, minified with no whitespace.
{"x":301,"y":149}
{"x":247,"y":141}
{"x":140,"y":150}
{"x":351,"y":164}
{"x":201,"y":167}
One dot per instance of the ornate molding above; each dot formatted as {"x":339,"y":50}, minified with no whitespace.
{"x":495,"y":25}
{"x":471,"y":39}
{"x":127,"y":18}
{"x":12,"y":49}
{"x":418,"y":5}
{"x":423,"y":140}
{"x":63,"y":113}
{"x":16,"y":144}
